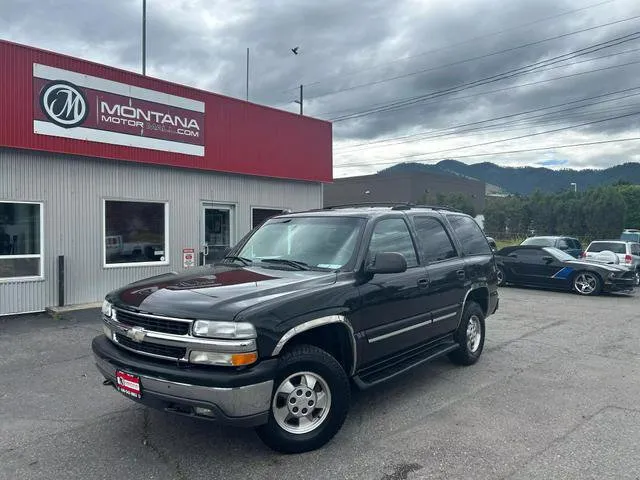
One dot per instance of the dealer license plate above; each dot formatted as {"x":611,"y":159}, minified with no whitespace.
{"x":128,"y":384}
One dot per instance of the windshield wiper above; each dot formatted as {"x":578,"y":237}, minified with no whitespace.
{"x":292,"y":263}
{"x":246,"y":261}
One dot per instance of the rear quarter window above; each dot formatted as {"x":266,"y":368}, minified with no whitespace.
{"x":470,"y":235}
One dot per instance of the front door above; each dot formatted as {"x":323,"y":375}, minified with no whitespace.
{"x":217,"y":231}
{"x":394,"y":311}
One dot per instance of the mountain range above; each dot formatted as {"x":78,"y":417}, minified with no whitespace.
{"x":526,"y":180}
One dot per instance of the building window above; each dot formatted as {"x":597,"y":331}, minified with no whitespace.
{"x":135,"y":233}
{"x":259,"y":215}
{"x":20,"y":240}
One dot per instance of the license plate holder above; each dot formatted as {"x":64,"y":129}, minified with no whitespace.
{"x":128,"y":384}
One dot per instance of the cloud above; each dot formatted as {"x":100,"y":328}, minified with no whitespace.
{"x":355,"y":56}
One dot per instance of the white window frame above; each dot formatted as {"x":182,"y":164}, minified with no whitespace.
{"x":32,"y":278}
{"x":166,"y":260}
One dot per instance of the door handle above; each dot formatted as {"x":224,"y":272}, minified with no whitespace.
{"x":205,"y":249}
{"x":461,"y":274}
{"x":423,"y":283}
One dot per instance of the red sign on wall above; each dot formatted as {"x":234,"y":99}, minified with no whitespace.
{"x":70,"y":105}
{"x":65,"y":105}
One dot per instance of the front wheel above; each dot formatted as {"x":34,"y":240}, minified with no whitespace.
{"x":469,"y":336}
{"x":310,"y":401}
{"x":587,"y":283}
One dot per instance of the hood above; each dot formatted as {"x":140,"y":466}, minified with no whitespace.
{"x":219,"y":292}
{"x":604,"y":266}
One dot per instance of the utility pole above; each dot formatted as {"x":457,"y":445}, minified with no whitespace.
{"x":247,"y":74}
{"x":301,"y":99}
{"x":144,"y":37}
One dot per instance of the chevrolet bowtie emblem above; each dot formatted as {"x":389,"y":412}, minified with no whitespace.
{"x":136,"y":334}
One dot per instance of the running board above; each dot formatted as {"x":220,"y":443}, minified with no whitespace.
{"x":402,"y":362}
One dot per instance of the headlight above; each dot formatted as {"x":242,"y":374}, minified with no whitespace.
{"x":231,"y":330}
{"x":224,"y":359}
{"x":107,"y":309}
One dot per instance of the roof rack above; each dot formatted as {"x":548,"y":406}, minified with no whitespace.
{"x":393,"y":206}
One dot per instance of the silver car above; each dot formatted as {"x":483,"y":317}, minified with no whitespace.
{"x":628,"y":253}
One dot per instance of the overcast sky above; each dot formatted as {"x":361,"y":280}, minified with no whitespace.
{"x":401,"y":80}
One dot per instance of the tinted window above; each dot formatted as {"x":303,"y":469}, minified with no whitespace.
{"x":392,"y":235}
{"x":615,"y":247}
{"x":635,"y":249}
{"x":573,"y":243}
{"x":435,"y":242}
{"x":471,"y":237}
{"x":529,"y":255}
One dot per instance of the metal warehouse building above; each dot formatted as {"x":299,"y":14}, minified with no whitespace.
{"x":107,"y":177}
{"x":402,"y":187}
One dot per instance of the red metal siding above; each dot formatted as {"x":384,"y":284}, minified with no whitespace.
{"x":240,"y":137}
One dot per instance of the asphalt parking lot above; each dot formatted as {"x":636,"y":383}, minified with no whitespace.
{"x":555,"y":395}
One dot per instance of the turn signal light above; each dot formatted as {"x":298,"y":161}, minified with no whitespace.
{"x":223,"y":359}
{"x":238,"y":359}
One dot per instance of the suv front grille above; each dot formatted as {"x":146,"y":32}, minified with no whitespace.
{"x":152,"y":323}
{"x":152,"y":348}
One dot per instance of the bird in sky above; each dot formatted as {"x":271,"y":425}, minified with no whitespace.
{"x":295,"y":50}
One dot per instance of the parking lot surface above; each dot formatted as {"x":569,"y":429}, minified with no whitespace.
{"x":555,"y":395}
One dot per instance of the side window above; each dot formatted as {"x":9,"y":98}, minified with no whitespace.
{"x":635,"y":249}
{"x":392,"y":235}
{"x":434,"y":239}
{"x":471,"y":237}
{"x":563,"y":244}
{"x":529,"y":255}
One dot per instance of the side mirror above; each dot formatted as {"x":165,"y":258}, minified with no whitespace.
{"x":387,"y":262}
{"x":547,"y":259}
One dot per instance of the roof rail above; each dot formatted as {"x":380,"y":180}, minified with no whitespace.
{"x":393,"y":206}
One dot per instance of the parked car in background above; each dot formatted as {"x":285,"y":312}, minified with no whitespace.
{"x":569,"y":245}
{"x":630,"y":235}
{"x":549,"y":267}
{"x":628,"y":253}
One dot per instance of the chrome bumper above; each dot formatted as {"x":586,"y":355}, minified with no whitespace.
{"x":248,"y":405}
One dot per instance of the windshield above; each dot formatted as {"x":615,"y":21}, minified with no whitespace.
{"x":538,"y":241}
{"x":559,"y":254}
{"x":317,"y":242}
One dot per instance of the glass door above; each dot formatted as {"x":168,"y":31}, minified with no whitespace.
{"x":218,"y":231}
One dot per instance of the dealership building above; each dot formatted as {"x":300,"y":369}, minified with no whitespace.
{"x":108,"y":177}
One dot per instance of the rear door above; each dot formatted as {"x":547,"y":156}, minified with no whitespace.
{"x":446,"y":271}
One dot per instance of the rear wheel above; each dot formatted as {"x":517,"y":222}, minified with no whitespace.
{"x":587,"y":283}
{"x":310,"y":401}
{"x":500,"y":276}
{"x":470,"y":336}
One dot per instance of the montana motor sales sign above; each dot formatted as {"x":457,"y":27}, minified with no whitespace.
{"x":72,"y":105}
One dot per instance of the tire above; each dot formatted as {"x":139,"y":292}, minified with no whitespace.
{"x":472,"y":323}
{"x":298,"y":368}
{"x":637,"y":278}
{"x":500,"y":276}
{"x":586,"y":283}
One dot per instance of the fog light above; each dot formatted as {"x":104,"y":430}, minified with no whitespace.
{"x":226,"y":359}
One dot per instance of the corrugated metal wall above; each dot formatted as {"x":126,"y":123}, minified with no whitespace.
{"x":72,"y":190}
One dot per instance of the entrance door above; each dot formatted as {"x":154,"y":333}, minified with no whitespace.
{"x":218,"y":231}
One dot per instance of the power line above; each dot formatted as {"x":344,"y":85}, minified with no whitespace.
{"x":513,"y":87}
{"x":429,"y":134}
{"x":472,"y":59}
{"x":509,"y":152}
{"x":493,"y":78}
{"x":520,"y":137}
{"x":464,"y":42}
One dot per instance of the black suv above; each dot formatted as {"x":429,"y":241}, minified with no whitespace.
{"x":273,"y":335}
